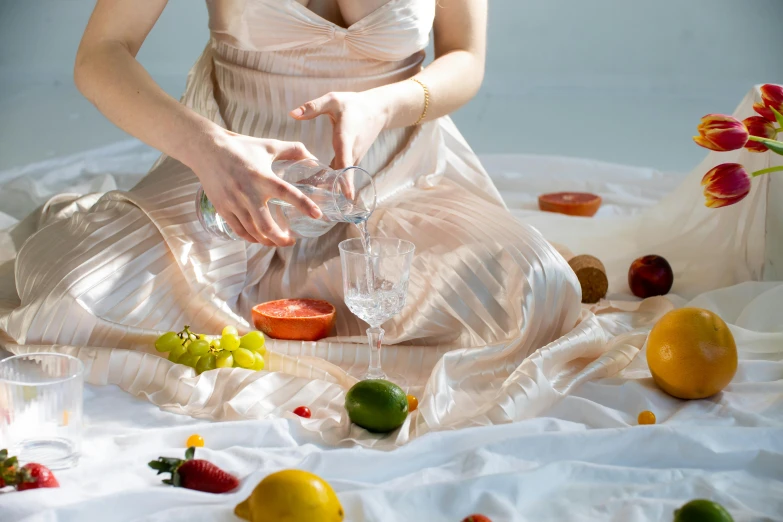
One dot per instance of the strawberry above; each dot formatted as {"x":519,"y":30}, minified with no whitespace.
{"x":34,"y":476}
{"x":197,"y":474}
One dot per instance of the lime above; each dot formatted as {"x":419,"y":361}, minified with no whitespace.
{"x":701,"y":510}
{"x":377,"y":405}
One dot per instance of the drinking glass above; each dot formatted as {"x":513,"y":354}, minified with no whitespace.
{"x":375,"y":283}
{"x":41,"y":408}
{"x":344,"y":195}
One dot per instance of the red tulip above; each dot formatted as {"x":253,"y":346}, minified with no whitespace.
{"x":725,"y":185}
{"x":758,"y":126}
{"x":721,"y":133}
{"x":771,"y":97}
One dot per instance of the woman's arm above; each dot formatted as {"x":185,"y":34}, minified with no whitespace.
{"x":234,"y":170}
{"x":452,"y":79}
{"x":107,"y":74}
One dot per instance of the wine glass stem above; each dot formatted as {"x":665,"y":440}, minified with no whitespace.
{"x":375,"y":336}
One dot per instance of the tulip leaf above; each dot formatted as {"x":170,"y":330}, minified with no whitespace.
{"x":778,"y":116}
{"x":773,"y":145}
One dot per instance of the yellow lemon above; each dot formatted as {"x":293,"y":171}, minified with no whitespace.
{"x":291,"y":495}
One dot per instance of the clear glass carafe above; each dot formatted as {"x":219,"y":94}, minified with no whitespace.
{"x":344,"y":195}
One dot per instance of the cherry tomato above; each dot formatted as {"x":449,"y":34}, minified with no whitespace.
{"x":195,"y":441}
{"x":646,"y":417}
{"x":413,"y":403}
{"x":303,"y":411}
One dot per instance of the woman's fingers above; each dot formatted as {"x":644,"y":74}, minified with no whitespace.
{"x":290,"y":194}
{"x":343,"y":158}
{"x":347,"y":182}
{"x":237,"y":227}
{"x":251,"y":221}
{"x":343,"y":149}
{"x":291,"y":150}
{"x":247,"y":224}
{"x":271,"y":229}
{"x":257,"y":220}
{"x":326,"y":104}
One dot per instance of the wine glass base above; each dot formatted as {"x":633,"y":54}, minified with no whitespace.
{"x":374,"y":375}
{"x":394,"y":377}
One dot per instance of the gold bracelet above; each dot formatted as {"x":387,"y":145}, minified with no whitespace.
{"x":426,"y":101}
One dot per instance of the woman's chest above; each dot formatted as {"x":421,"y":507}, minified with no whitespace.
{"x":387,"y":30}
{"x":343,"y":13}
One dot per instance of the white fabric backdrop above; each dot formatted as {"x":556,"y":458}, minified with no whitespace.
{"x":729,"y":448}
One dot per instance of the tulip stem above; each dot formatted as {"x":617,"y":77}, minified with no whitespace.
{"x":759,"y":139}
{"x":764,"y":140}
{"x":773,"y":145}
{"x":767,"y":171}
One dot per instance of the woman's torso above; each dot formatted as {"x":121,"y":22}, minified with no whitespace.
{"x":270,"y":56}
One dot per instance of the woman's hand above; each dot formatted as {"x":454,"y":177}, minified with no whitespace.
{"x":357,"y":120}
{"x":237,"y":177}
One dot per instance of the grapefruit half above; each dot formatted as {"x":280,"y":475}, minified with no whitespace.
{"x":295,"y":319}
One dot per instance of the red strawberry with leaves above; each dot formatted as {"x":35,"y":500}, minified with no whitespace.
{"x":34,"y":476}
{"x":197,"y":474}
{"x":29,"y":476}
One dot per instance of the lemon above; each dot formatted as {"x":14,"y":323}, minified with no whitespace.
{"x":291,"y":495}
{"x":701,"y":510}
{"x":377,"y":405}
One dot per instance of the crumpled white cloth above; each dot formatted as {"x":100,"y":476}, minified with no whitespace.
{"x":584,"y":460}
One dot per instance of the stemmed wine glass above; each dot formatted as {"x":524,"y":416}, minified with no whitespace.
{"x":375,"y":282}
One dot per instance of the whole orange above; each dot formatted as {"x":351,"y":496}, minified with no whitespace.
{"x":691,"y":353}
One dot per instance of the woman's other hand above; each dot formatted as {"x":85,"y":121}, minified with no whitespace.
{"x":357,"y":120}
{"x":237,"y":177}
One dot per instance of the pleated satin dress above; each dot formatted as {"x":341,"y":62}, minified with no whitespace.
{"x":105,"y":274}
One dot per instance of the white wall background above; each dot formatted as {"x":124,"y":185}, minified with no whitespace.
{"x":618,"y":80}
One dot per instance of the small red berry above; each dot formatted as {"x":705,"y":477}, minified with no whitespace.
{"x":477,"y":518}
{"x":303,"y":411}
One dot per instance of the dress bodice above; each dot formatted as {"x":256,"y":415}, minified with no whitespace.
{"x":266,"y":57}
{"x":395,"y":31}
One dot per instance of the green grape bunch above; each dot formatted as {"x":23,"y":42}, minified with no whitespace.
{"x":204,"y":353}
